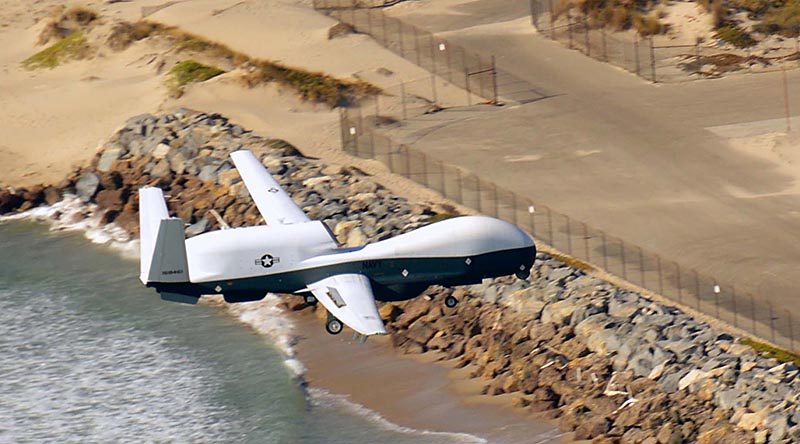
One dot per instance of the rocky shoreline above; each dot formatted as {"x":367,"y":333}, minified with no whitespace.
{"x":602,"y":361}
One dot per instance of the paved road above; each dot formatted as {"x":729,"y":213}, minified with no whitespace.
{"x":628,"y":157}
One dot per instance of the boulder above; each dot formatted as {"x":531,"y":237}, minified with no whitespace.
{"x":752,"y":421}
{"x":592,"y":427}
{"x":87,"y":186}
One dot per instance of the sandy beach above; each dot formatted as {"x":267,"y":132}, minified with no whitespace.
{"x":415,"y":391}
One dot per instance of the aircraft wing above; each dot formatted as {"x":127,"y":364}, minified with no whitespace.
{"x":272,"y":201}
{"x":349,"y":297}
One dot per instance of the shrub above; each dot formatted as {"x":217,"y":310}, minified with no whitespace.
{"x":648,"y":25}
{"x":735,"y":35}
{"x":772,"y":352}
{"x":190,"y":71}
{"x":784,"y":20}
{"x":65,"y":22}
{"x":73,"y":46}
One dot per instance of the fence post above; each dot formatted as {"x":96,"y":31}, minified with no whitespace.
{"x":569,"y":235}
{"x":460,"y":187}
{"x":532,"y":211}
{"x":605,"y":45}
{"x":552,"y":20}
{"x":569,"y":28}
{"x":383,"y":25}
{"x":586,"y":35}
{"x":400,"y":36}
{"x":478,"y":193}
{"x":494,"y":80}
{"x":496,"y":201}
{"x":717,"y":289}
{"x":697,"y":289}
{"x":660,"y":278}
{"x":469,"y":94}
{"x":636,"y":51}
{"x":753,"y":312}
{"x":605,"y":252}
{"x":622,"y":255}
{"x":408,"y":162}
{"x":771,"y":321}
{"x":653,"y":60}
{"x":586,"y":241}
{"x":433,"y":90}
{"x":678,"y":277}
{"x":369,"y":21}
{"x":390,"y":155}
{"x":791,"y":331}
{"x":735,"y":310}
{"x":550,"y":226}
{"x":641,"y":264}
{"x":403,"y":99}
{"x":433,"y":53}
{"x":416,"y":44}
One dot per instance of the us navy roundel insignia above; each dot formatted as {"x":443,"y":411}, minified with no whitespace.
{"x":267,"y":260}
{"x":273,"y":190}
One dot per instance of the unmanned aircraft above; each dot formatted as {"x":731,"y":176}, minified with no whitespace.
{"x":293,"y":254}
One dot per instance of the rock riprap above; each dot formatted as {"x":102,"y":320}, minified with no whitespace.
{"x":602,"y":361}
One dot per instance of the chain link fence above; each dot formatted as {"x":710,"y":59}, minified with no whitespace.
{"x":477,"y":74}
{"x":648,"y":270}
{"x":650,"y":57}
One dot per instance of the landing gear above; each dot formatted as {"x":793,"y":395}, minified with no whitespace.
{"x":523,"y":272}
{"x":310,"y":299}
{"x":450,"y":301}
{"x":333,"y":326}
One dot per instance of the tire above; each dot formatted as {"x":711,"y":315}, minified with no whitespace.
{"x":310,"y":299}
{"x":450,"y":302}
{"x":334,"y":326}
{"x":524,"y":275}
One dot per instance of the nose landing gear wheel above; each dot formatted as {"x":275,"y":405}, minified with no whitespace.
{"x":334,"y":326}
{"x":450,"y":301}
{"x":523,"y":273}
{"x":310,"y":299}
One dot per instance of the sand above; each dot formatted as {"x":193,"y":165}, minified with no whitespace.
{"x":410,"y":390}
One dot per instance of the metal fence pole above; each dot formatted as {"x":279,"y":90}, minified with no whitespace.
{"x":678,"y":277}
{"x":653,"y":61}
{"x":791,"y":330}
{"x":586,"y":241}
{"x":433,"y":90}
{"x":753,"y":312}
{"x":771,"y":321}
{"x":552,"y":20}
{"x":697,"y":288}
{"x":735,"y":310}
{"x":605,"y":251}
{"x":433,"y":53}
{"x":622,"y":256}
{"x":586,"y":35}
{"x":569,"y":235}
{"x":401,"y":37}
{"x":605,"y":45}
{"x":460,"y":187}
{"x":660,"y":277}
{"x":403,"y":99}
{"x":569,"y":28}
{"x":641,"y":264}
{"x":550,"y":226}
{"x":636,"y":51}
{"x":416,"y":44}
{"x":494,"y":80}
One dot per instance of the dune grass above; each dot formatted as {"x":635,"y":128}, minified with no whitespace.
{"x":71,"y":47}
{"x":311,"y":86}
{"x":772,"y":352}
{"x":190,"y":71}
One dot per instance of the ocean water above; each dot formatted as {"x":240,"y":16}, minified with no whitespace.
{"x":87,"y":354}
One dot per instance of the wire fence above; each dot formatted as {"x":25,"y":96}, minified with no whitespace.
{"x":477,"y":74}
{"x":652,"y":58}
{"x":643,"y":268}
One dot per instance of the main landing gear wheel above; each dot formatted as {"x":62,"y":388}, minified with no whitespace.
{"x":310,"y":299}
{"x":523,"y":272}
{"x":334,"y":326}
{"x":450,"y":301}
